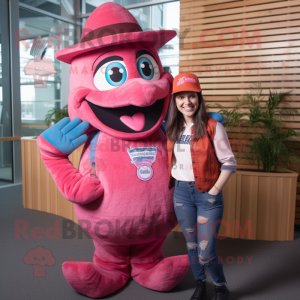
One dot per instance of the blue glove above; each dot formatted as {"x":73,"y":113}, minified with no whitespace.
{"x":217,"y":117}
{"x":66,"y":136}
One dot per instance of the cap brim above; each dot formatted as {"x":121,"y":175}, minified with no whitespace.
{"x":157,"y":38}
{"x":186,"y":90}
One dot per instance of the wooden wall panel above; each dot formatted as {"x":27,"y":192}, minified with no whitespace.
{"x":230,"y":45}
{"x":249,"y":210}
{"x":39,"y":189}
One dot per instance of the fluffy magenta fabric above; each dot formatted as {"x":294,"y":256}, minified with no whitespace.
{"x":128,"y":211}
{"x":73,"y":186}
{"x":92,"y":281}
{"x":135,"y":90}
{"x":127,"y":218}
{"x":108,"y":15}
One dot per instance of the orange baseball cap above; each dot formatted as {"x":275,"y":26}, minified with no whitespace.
{"x":186,"y":82}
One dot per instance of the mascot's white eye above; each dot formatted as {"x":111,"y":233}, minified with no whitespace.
{"x":148,"y":67}
{"x":110,"y":75}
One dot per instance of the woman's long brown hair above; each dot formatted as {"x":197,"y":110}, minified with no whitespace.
{"x":176,"y":121}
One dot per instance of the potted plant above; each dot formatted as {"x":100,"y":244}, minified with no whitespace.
{"x":56,"y":114}
{"x":264,"y":194}
{"x":273,"y":146}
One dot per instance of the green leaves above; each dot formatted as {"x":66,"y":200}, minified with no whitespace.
{"x":232,"y":117}
{"x":274,"y":145}
{"x":56,"y":114}
{"x":272,"y":148}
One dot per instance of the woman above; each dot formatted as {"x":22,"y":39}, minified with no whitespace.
{"x":200,"y":163}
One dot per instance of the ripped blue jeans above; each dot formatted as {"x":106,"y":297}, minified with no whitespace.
{"x":200,"y":215}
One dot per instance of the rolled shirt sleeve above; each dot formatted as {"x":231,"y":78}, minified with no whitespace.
{"x":223,"y":149}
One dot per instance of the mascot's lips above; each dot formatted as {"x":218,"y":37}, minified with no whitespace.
{"x":131,"y":118}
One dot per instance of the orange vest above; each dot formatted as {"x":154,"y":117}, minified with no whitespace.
{"x":206,"y":166}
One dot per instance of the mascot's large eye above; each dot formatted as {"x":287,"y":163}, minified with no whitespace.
{"x":148,"y":67}
{"x":110,"y":75}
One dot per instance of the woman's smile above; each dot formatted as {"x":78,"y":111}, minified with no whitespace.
{"x":188,"y":108}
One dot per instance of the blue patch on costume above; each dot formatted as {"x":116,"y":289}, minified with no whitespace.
{"x":143,"y":158}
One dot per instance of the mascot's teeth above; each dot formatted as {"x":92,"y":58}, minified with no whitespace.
{"x":136,"y":122}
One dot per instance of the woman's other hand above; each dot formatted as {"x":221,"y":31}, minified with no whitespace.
{"x":213,"y":191}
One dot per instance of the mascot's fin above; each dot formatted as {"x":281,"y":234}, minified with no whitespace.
{"x":93,"y":281}
{"x":163,"y":276}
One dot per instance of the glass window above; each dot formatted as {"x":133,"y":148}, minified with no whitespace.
{"x":1,"y":90}
{"x":5,"y":107}
{"x":40,"y":38}
{"x":6,"y":176}
{"x":90,"y":5}
{"x":162,"y":16}
{"x":64,"y":8}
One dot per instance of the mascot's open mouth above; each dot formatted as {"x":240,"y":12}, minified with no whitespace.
{"x":129,"y":119}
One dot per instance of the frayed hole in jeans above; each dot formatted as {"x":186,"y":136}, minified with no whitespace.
{"x":203,"y":244}
{"x":211,"y":200}
{"x":202,"y":220}
{"x":191,"y":246}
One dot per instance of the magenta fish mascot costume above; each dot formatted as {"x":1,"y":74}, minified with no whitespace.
{"x":119,"y":96}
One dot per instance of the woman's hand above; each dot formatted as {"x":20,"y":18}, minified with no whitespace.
{"x":213,"y":191}
{"x":223,"y":178}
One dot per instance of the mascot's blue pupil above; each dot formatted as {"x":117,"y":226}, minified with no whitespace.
{"x":145,"y":68}
{"x":115,"y":74}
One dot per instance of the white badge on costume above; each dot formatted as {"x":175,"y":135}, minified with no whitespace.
{"x":143,"y":158}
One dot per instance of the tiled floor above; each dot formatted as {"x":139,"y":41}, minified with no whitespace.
{"x":255,"y":270}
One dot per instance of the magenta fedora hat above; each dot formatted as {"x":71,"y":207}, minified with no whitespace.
{"x":112,"y":24}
